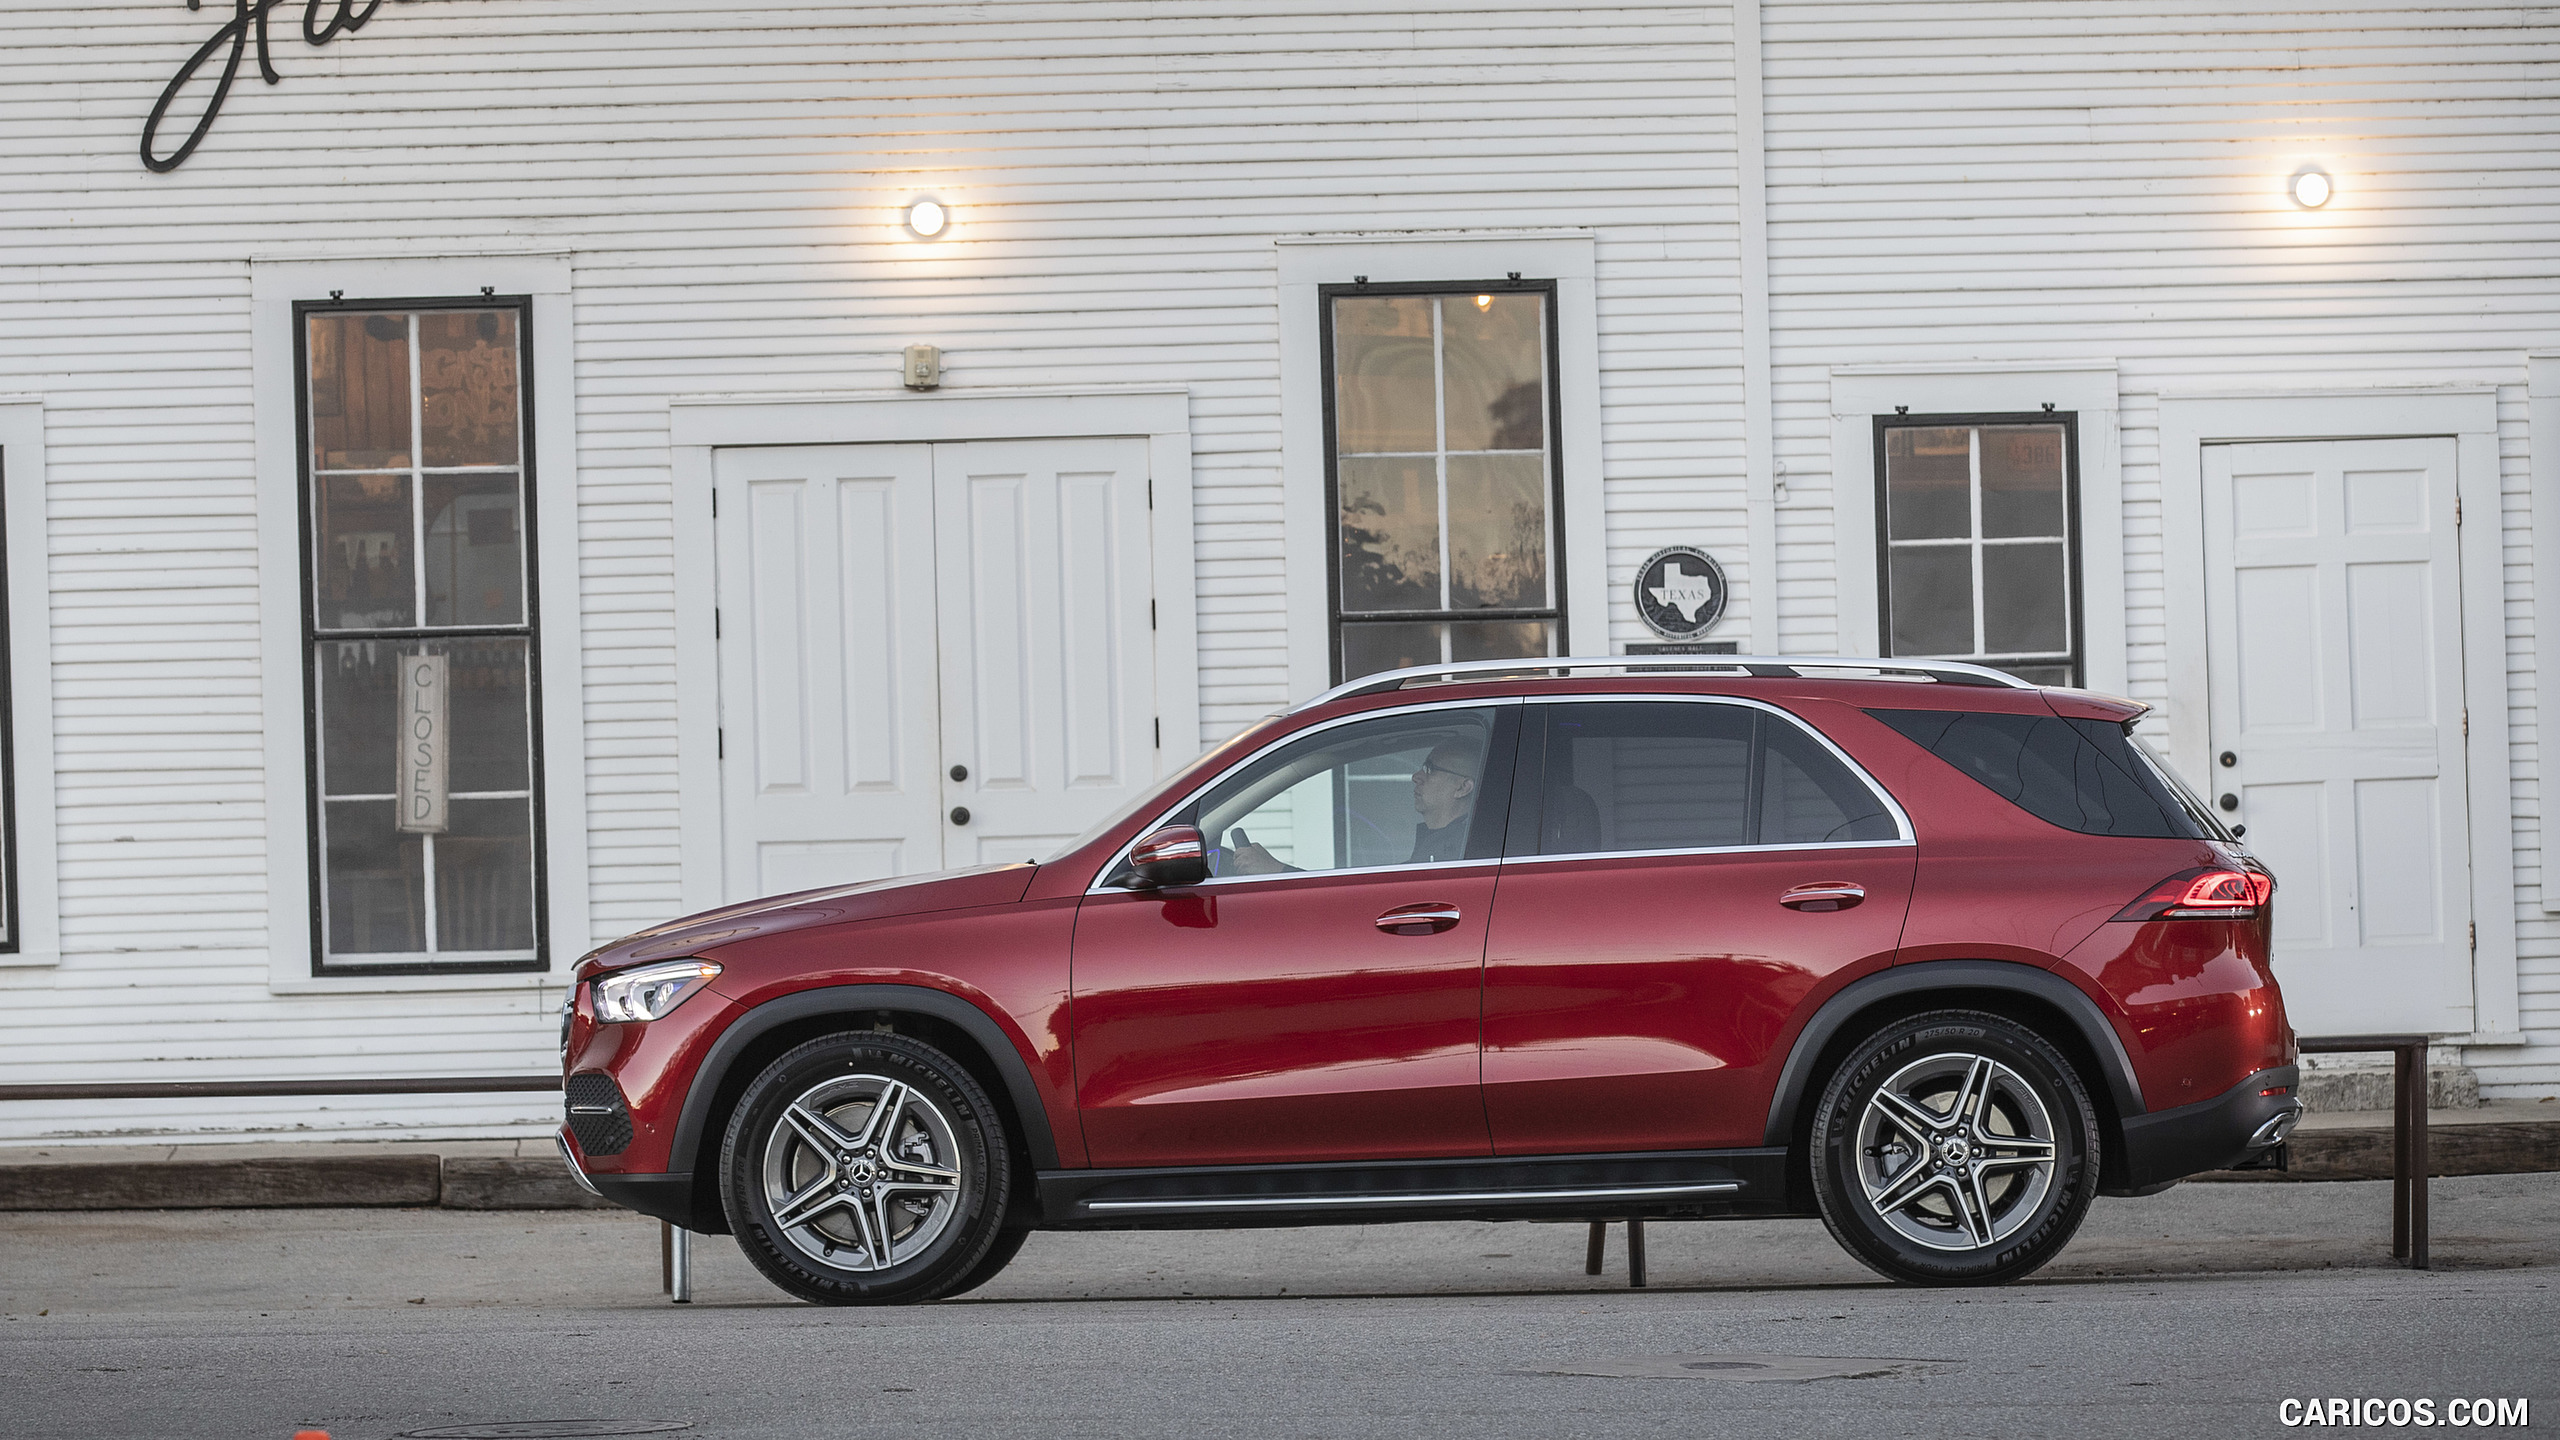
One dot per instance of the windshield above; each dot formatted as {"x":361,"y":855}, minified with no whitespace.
{"x":1155,"y":794}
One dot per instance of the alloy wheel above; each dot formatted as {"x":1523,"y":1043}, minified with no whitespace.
{"x":861,"y":1172}
{"x":1955,"y":1151}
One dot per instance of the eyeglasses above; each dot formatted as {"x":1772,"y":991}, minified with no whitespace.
{"x":1428,"y":768}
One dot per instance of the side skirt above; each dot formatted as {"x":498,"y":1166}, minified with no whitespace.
{"x":1676,"y":1185}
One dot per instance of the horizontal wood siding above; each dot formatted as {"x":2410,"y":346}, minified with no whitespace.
{"x":729,"y":183}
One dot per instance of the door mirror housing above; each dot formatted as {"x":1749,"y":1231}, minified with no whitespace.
{"x":1174,"y":855}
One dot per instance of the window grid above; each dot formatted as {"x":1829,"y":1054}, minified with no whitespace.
{"x":1976,"y":542}
{"x":318,"y":640}
{"x":1552,"y":612}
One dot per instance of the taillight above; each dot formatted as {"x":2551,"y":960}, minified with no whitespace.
{"x":2207,"y":894}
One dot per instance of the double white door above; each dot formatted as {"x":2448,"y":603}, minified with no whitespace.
{"x":2335,"y":624}
{"x":930,"y":655}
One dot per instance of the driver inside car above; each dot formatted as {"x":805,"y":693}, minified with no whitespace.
{"x":1444,"y":796}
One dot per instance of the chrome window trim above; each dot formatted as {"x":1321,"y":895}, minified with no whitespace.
{"x":1901,"y":818}
{"x":1096,"y":887}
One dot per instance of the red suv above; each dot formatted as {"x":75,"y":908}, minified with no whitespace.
{"x":1929,"y":952}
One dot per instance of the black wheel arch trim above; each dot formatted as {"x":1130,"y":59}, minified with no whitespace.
{"x":1037,"y":1134}
{"x":1796,"y":1077}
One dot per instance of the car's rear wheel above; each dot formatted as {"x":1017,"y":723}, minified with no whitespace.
{"x":1955,"y":1148}
{"x":866,"y":1169}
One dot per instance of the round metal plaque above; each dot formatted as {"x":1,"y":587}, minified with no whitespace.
{"x":1680,"y":592}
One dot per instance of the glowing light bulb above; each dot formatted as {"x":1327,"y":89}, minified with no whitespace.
{"x":927,"y":218}
{"x":2311,"y":189}
{"x":1484,"y":302}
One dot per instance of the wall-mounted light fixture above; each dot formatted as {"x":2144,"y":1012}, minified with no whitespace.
{"x":927,"y":218}
{"x":2311,"y":187}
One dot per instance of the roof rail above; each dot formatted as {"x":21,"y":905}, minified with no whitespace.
{"x":1944,"y":672}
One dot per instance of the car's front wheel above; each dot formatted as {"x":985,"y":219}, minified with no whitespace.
{"x":1955,"y":1148}
{"x":866,"y":1169}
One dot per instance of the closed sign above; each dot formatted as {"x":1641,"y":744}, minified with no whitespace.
{"x":425,"y":724}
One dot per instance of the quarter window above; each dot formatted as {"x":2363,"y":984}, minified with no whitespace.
{"x":419,"y":632}
{"x":1638,"y":776}
{"x":1980,"y":541}
{"x":1441,"y":461}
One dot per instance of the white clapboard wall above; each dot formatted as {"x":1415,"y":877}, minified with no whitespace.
{"x":1947,"y":182}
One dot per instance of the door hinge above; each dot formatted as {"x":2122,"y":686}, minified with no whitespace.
{"x":1151,"y":614}
{"x":2457,"y":512}
{"x":2475,"y":934}
{"x":2466,"y":722}
{"x":1159,"y":732}
{"x":715,"y":503}
{"x":715,"y":622}
{"x":721,"y":738}
{"x":1151,"y":492}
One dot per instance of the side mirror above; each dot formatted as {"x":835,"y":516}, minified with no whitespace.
{"x":1174,"y":855}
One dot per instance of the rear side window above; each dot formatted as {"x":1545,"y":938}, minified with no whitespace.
{"x":1636,"y":776}
{"x":2079,"y":774}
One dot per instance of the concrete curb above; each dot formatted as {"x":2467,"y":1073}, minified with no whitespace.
{"x":455,"y":1182}
{"x":541,"y":1182}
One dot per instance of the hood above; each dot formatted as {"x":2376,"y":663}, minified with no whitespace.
{"x":867,"y":900}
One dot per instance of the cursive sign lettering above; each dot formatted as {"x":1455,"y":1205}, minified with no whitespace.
{"x":248,"y":21}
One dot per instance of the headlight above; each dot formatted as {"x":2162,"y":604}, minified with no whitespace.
{"x":650,"y":991}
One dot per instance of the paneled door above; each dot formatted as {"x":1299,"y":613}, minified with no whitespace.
{"x":2334,"y":617}
{"x":930,"y":655}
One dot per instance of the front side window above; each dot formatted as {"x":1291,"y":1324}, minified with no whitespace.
{"x":1980,"y":554}
{"x":1441,"y":462}
{"x":1647,"y":776}
{"x":419,"y":635}
{"x":1418,"y":788}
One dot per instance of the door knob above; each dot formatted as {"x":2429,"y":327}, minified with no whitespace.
{"x":959,"y":814}
{"x":959,"y":772}
{"x":1427,"y":918}
{"x":2229,"y":802}
{"x":1824,"y":895}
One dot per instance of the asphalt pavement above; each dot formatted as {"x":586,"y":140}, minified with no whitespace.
{"x":2196,"y":1312}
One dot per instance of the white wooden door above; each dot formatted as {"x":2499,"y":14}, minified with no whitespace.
{"x":829,"y":752}
{"x":1048,"y":681}
{"x":930,"y":655}
{"x":2334,"y":615}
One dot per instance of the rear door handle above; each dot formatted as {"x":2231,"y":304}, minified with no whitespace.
{"x":1428,"y":918}
{"x":1824,"y":895}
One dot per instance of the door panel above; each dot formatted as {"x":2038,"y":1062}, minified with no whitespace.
{"x":1272,"y":1020}
{"x":2334,"y":622}
{"x":826,"y":666}
{"x":1048,"y":679}
{"x":889,"y":611}
{"x":1637,"y":1001}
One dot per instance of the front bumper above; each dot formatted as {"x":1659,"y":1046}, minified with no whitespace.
{"x":2241,"y":1123}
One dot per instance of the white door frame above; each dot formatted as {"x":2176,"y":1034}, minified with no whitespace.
{"x":2467,"y":414}
{"x":699,"y":424}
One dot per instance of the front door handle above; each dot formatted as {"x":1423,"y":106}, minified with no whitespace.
{"x":1428,"y":918}
{"x":1824,"y":895}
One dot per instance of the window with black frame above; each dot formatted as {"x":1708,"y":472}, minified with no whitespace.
{"x":1441,"y":467}
{"x":419,"y":618}
{"x":1978,"y":540}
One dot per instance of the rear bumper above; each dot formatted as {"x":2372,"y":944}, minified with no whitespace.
{"x":2213,"y":1134}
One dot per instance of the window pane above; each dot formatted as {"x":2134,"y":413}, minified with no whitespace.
{"x":1928,"y":482}
{"x":467,"y":387}
{"x":1371,"y":646}
{"x":359,"y":391}
{"x":1390,"y":535}
{"x":376,"y":878}
{"x":1497,"y":532}
{"x":1394,"y":791}
{"x":2022,"y":480}
{"x":1933,"y":601}
{"x":2025,"y":600}
{"x":364,"y":534}
{"x":475,"y":550}
{"x":1493,"y":371}
{"x":1383,"y":381}
{"x":484,"y":877}
{"x":1646,"y":777}
{"x":360,"y":727}
{"x":1500,"y":639}
{"x":1807,"y":797}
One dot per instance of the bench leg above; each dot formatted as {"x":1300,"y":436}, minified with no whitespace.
{"x":2418,"y":1163}
{"x":1635,"y":1254}
{"x":1599,"y":1247}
